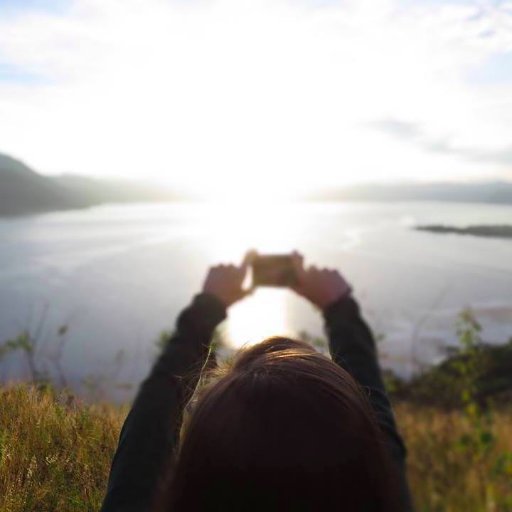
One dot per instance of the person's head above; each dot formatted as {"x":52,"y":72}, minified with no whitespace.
{"x":284,"y":429}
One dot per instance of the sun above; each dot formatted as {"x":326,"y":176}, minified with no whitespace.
{"x":233,"y":228}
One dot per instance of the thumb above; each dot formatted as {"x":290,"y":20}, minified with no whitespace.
{"x":248,"y":259}
{"x":245,"y":293}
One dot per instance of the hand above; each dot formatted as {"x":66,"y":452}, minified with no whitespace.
{"x":225,"y":282}
{"x":320,"y":286}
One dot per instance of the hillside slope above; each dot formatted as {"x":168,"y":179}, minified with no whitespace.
{"x":23,"y":191}
{"x":56,"y":452}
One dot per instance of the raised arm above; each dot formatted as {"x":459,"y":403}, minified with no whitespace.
{"x":352,"y":346}
{"x":150,"y":433}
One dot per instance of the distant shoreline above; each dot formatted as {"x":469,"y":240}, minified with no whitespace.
{"x":489,"y":231}
{"x":23,"y":191}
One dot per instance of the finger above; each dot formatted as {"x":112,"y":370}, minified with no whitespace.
{"x":298,"y":289}
{"x":297,"y":256}
{"x":247,"y":292}
{"x":248,"y":259}
{"x":250,"y":256}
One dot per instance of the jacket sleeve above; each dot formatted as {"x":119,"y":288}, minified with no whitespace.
{"x":149,"y":435}
{"x":352,"y":346}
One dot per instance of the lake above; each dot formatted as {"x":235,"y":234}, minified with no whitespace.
{"x":119,"y":275}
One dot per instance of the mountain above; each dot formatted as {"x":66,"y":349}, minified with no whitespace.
{"x":114,"y":191}
{"x":23,"y":191}
{"x":497,"y":192}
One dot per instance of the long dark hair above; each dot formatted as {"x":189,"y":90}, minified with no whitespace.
{"x":284,"y":429}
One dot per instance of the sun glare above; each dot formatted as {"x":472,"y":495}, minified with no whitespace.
{"x":258,"y":317}
{"x":236,"y":99}
{"x":269,"y":228}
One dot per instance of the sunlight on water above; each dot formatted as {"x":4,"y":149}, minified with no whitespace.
{"x":258,"y":317}
{"x":119,"y":274}
{"x":232,"y":229}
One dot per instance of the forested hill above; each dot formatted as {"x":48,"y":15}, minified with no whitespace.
{"x":24,"y":191}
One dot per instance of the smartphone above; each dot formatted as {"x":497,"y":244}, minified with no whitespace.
{"x":273,"y":270}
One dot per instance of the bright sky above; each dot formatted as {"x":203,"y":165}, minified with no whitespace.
{"x":227,"y":95}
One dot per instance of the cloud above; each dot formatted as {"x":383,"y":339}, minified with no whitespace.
{"x":402,"y":129}
{"x":414,"y":132}
{"x":221,"y":93}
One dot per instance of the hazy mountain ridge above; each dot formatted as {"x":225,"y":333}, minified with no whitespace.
{"x":493,"y":192}
{"x":23,"y":191}
{"x":111,"y":190}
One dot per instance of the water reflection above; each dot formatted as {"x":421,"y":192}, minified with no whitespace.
{"x":232,"y":229}
{"x":119,"y":275}
{"x":258,"y":317}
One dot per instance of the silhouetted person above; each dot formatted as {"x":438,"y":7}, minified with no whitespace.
{"x":285,"y":428}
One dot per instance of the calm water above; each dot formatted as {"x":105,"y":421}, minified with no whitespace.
{"x":119,"y":275}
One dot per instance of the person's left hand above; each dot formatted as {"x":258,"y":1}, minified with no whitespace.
{"x":321,"y":286}
{"x":225,"y":282}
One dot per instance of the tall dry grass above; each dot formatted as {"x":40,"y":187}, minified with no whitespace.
{"x":452,"y":468}
{"x":55,"y":455}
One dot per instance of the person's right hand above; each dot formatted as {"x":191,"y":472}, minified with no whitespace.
{"x":225,"y":281}
{"x":322,"y":286}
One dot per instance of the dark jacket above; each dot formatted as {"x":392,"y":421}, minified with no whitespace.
{"x":150,"y":432}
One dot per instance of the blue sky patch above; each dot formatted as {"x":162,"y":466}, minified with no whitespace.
{"x":10,"y":73}
{"x":17,"y":6}
{"x":497,"y":69}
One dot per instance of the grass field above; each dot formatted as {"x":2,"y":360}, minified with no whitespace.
{"x":55,"y":455}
